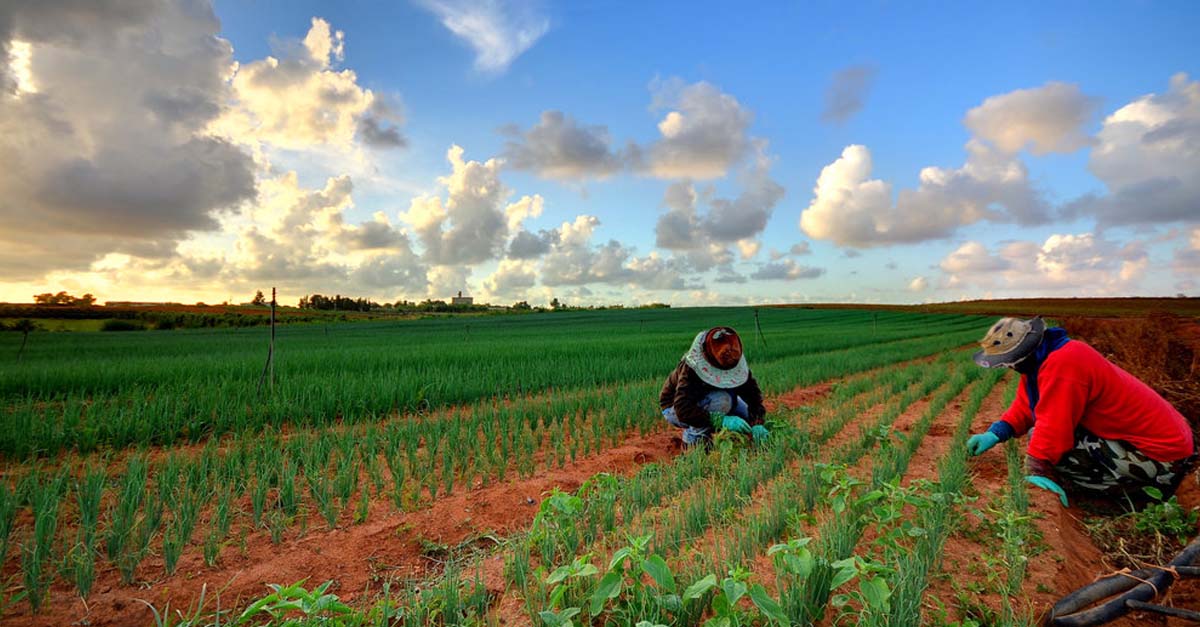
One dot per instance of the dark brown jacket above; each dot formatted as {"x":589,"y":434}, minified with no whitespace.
{"x":684,"y":390}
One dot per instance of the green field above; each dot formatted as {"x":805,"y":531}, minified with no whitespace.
{"x":126,"y":453}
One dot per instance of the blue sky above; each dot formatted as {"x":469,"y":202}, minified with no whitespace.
{"x":1069,"y":180}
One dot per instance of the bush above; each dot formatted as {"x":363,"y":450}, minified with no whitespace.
{"x":122,"y":325}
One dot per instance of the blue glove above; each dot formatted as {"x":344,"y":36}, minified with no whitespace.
{"x":759,"y":432}
{"x":981,"y":442}
{"x":733,"y":423}
{"x":1048,"y":484}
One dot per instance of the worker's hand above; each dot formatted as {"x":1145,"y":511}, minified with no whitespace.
{"x":759,"y":432}
{"x":733,"y":423}
{"x":981,"y":442}
{"x":1048,"y":484}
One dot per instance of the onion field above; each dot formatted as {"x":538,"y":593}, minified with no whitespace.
{"x":503,"y":470}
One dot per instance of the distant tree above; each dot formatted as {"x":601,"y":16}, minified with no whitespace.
{"x":259,"y":299}
{"x":521,"y":305}
{"x":63,"y":298}
{"x":554,"y":304}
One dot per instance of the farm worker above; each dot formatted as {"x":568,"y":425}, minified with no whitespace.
{"x":712,"y":387}
{"x":1093,"y":427}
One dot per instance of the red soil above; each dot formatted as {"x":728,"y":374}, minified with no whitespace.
{"x":355,"y":557}
{"x":390,"y":543}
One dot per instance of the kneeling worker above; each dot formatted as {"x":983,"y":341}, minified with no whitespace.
{"x":713,"y":378}
{"x":1093,"y":427}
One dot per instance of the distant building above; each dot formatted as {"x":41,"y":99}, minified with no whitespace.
{"x":462,"y":300}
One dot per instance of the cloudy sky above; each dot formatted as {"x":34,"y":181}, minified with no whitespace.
{"x":598,"y":152}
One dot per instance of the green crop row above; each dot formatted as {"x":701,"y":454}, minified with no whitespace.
{"x":183,"y":387}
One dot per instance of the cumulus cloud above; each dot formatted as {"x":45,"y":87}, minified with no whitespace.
{"x":1046,"y":119}
{"x":498,"y":31}
{"x":105,"y":140}
{"x":377,"y":234}
{"x":847,"y":92}
{"x":529,"y":245}
{"x":728,"y":220}
{"x":371,"y":125}
{"x":918,"y":284}
{"x":786,"y":270}
{"x":1067,"y":264}
{"x":558,"y":147}
{"x":511,"y":280}
{"x":851,"y":209}
{"x":702,"y":135}
{"x":471,"y":225}
{"x":749,"y":248}
{"x":574,"y":260}
{"x":297,"y":238}
{"x":298,"y":99}
{"x":1147,"y":155}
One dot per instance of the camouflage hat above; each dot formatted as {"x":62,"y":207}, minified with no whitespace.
{"x":1009,"y":341}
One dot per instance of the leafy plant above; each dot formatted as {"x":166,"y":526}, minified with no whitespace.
{"x":1166,"y":517}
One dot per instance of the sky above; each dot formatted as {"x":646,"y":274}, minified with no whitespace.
{"x":690,"y":153}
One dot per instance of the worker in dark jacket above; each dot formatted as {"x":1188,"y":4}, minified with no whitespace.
{"x":712,"y":388}
{"x":1099,"y":429}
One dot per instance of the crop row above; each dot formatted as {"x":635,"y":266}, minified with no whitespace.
{"x":54,"y":405}
{"x":741,"y":475}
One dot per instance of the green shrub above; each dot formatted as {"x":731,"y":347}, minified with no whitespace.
{"x":122,"y":325}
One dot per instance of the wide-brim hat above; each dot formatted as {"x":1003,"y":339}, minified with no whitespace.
{"x":724,"y":378}
{"x":1009,"y":341}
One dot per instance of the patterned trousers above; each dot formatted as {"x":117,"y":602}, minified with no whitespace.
{"x":1118,"y":468}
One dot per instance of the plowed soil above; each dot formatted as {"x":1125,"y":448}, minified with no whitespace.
{"x":1163,"y":351}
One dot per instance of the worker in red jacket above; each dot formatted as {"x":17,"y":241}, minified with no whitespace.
{"x":1093,"y":427}
{"x":712,"y":388}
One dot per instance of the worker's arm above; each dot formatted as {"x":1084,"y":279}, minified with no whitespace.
{"x":689,"y":391}
{"x":666,"y":397}
{"x":1017,"y":419}
{"x":1014,"y":422}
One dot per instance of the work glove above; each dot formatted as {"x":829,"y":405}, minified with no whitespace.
{"x":1048,"y":484}
{"x":733,"y":423}
{"x":977,"y":444}
{"x":759,"y":432}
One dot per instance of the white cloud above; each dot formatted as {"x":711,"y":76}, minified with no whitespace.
{"x":1046,"y":119}
{"x":786,"y":270}
{"x":728,"y":221}
{"x":1064,"y":264}
{"x":574,"y":260}
{"x":511,"y":280}
{"x":749,"y":248}
{"x":103,"y":132}
{"x":703,"y":134}
{"x":851,"y":209}
{"x":446,"y":281}
{"x":299,"y":100}
{"x":918,"y":284}
{"x":471,"y":224}
{"x":498,"y":31}
{"x":558,"y":147}
{"x":1146,"y":154}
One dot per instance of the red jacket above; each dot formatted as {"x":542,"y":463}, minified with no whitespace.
{"x":1078,"y":387}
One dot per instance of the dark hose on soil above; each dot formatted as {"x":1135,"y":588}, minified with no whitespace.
{"x":1070,"y":612}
